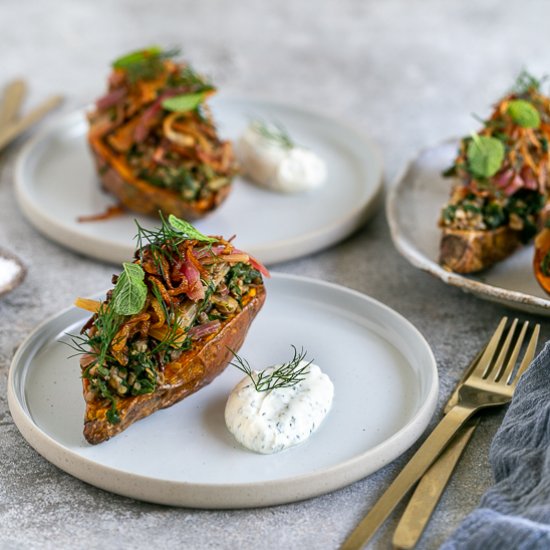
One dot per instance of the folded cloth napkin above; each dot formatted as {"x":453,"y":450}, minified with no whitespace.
{"x":515,"y":513}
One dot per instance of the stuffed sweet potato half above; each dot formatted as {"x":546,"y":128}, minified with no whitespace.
{"x":500,"y":182}
{"x":167,"y":328}
{"x":154,"y":140}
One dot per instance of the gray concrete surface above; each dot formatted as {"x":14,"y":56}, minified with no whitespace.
{"x":410,"y":73}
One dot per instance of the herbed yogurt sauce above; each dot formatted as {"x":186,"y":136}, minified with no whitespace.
{"x":276,"y":163}
{"x":269,"y":421}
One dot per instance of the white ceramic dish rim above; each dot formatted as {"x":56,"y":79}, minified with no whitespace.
{"x":419,"y":260}
{"x":244,"y":495}
{"x":275,"y":252}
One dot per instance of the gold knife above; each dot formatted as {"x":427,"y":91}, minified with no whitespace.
{"x":429,"y":490}
{"x":433,"y":483}
{"x":12,"y":99}
{"x":14,"y":130}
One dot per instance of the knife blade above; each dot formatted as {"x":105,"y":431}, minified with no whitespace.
{"x":419,"y":510}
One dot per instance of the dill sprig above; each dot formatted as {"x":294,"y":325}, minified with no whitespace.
{"x":171,"y":340}
{"x":287,"y":375}
{"x":165,"y":240}
{"x":161,"y":241}
{"x":274,"y":132}
{"x":526,"y":82}
{"x":107,"y":323}
{"x":198,"y":83}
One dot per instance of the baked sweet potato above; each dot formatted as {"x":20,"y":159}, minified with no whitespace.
{"x":154,"y":140}
{"x":167,"y":328}
{"x":500,"y":182}
{"x":468,"y":251}
{"x":139,"y":196}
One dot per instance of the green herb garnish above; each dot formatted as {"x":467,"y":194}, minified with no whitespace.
{"x":526,"y":82}
{"x":138,"y":56}
{"x":287,"y":375}
{"x":107,"y":323}
{"x":144,"y":64}
{"x":523,"y":113}
{"x":189,"y":77}
{"x":184,"y":103}
{"x":273,"y":132}
{"x":130,"y":291}
{"x":186,"y":229}
{"x":485,"y":156}
{"x":165,"y":240}
{"x":172,"y":340}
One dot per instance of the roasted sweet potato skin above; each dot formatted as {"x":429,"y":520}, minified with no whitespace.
{"x":139,"y":196}
{"x":193,"y":370}
{"x":468,"y":251}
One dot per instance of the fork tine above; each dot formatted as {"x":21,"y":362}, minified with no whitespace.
{"x":506,"y":375}
{"x":484,"y":363}
{"x":498,"y":367}
{"x":527,"y":358}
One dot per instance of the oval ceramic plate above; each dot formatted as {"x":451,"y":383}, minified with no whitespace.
{"x":56,"y":183}
{"x":386,"y":389}
{"x":413,"y":207}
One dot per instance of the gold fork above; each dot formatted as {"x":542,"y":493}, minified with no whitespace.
{"x":432,"y":484}
{"x":491,"y":383}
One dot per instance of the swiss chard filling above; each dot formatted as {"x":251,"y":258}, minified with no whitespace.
{"x":519,"y":212}
{"x":180,"y":289}
{"x":501,"y":171}
{"x":154,"y":117}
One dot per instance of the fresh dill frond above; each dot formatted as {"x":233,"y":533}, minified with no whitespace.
{"x":171,"y":340}
{"x":526,"y":82}
{"x":165,"y":240}
{"x":287,"y":375}
{"x":196,"y":82}
{"x":161,"y":241}
{"x":273,"y":132}
{"x":80,"y":345}
{"x":107,"y":323}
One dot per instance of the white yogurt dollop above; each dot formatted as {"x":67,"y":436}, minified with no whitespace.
{"x":270,"y":421}
{"x":276,"y":164}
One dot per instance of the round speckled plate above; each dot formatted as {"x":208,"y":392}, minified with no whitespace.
{"x":413,"y":207}
{"x":56,"y":183}
{"x":386,"y":389}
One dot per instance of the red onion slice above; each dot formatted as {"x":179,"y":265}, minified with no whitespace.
{"x":200,"y":331}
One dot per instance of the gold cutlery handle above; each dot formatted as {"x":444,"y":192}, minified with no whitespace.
{"x":429,"y":490}
{"x":411,"y":473}
{"x":11,"y":102}
{"x":14,"y":130}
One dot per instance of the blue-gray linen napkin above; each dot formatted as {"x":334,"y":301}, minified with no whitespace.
{"x":515,"y":513}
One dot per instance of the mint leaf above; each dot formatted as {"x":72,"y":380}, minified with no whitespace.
{"x":185,"y":228}
{"x":138,"y":56}
{"x":523,"y":113}
{"x":130,"y":291}
{"x":184,"y":103}
{"x":484,"y":155}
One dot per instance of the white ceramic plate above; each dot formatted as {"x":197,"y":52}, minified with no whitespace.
{"x":413,"y":207}
{"x":56,"y":183}
{"x":386,"y":389}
